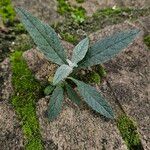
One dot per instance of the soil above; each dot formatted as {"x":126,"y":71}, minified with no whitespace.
{"x":10,"y":131}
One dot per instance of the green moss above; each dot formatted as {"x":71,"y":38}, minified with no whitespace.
{"x":26,"y":91}
{"x":94,"y":78}
{"x":129,"y":133}
{"x":101,"y":71}
{"x":19,"y":28}
{"x":76,"y":13}
{"x":6,"y":11}
{"x":63,"y":7}
{"x":147,"y":41}
{"x":68,"y":37}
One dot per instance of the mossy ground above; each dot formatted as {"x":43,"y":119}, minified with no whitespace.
{"x":99,"y":20}
{"x":26,"y":92}
{"x":147,"y":41}
{"x":129,"y":133}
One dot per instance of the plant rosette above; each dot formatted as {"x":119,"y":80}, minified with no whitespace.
{"x":84,"y":55}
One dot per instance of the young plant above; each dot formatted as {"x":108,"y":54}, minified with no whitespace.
{"x":83,"y":56}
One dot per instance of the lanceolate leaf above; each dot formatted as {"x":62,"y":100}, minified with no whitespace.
{"x":44,"y":36}
{"x":80,"y":50}
{"x":62,"y":72}
{"x":107,"y":48}
{"x":73,"y":96}
{"x":55,"y":104}
{"x":93,"y":98}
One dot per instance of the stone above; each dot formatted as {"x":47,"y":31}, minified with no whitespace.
{"x":10,"y":132}
{"x":145,"y":23}
{"x":46,"y":11}
{"x":6,"y":88}
{"x":42,"y":68}
{"x":79,"y":128}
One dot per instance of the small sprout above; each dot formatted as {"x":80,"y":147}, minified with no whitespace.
{"x":49,"y":89}
{"x":101,"y":71}
{"x":83,"y":56}
{"x":94,"y":77}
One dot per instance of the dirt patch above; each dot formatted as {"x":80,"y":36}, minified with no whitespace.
{"x":10,"y":130}
{"x":10,"y":133}
{"x":46,"y":11}
{"x":6,"y":89}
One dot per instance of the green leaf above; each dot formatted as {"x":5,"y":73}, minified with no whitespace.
{"x":62,"y":72}
{"x":93,"y":98}
{"x":55,"y":104}
{"x":107,"y":48}
{"x":49,"y":89}
{"x":73,"y":96}
{"x":80,"y":50}
{"x":44,"y":36}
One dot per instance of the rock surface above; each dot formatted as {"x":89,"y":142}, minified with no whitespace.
{"x":145,"y":23}
{"x":45,"y":10}
{"x":79,"y":128}
{"x":42,"y":68}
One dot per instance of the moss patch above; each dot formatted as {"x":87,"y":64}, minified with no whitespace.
{"x":6,"y":11}
{"x":26,"y":91}
{"x":147,"y":41}
{"x":78,"y":14}
{"x":69,"y":37}
{"x":94,"y":77}
{"x":101,"y":71}
{"x":129,"y":133}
